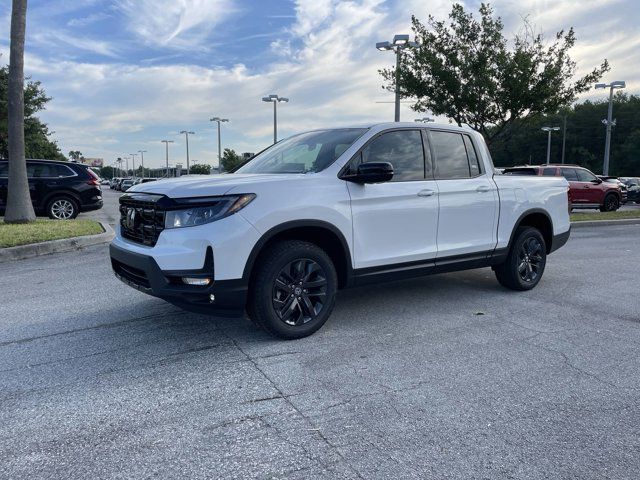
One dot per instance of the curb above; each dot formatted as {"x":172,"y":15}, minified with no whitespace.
{"x":605,"y":223}
{"x":22,"y":252}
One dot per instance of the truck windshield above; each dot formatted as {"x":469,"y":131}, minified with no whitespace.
{"x":304,"y":153}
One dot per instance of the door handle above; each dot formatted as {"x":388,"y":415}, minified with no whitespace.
{"x":426,"y":193}
{"x":483,"y":189}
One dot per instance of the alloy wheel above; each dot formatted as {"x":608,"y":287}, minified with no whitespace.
{"x":62,"y":209}
{"x":299,"y":291}
{"x":530,"y":259}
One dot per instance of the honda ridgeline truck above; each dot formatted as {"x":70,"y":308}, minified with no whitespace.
{"x":334,"y":208}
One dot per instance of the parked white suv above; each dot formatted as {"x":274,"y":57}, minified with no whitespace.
{"x":329,"y":209}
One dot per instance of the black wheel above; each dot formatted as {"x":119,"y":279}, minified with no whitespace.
{"x":611,"y":203}
{"x":525,"y":263}
{"x":62,"y":208}
{"x":293,"y":290}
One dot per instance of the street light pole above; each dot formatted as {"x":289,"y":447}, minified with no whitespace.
{"x":186,"y":136}
{"x":142,"y":152}
{"x":166,"y":143}
{"x":609,"y":122}
{"x":133,"y":159}
{"x":549,"y":130}
{"x":275,"y":99}
{"x":399,"y":43}
{"x":219,"y":120}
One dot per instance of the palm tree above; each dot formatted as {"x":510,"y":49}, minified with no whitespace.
{"x":19,"y":208}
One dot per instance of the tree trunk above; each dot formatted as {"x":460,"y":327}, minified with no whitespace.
{"x":19,"y":208}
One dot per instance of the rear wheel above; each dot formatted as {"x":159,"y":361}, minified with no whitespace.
{"x":62,"y":208}
{"x":293,"y":290}
{"x":611,"y":203}
{"x":526,"y":260}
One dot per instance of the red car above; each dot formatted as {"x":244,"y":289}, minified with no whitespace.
{"x":585,"y":189}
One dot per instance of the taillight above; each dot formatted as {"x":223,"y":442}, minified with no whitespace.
{"x":93,"y":181}
{"x":94,"y":178}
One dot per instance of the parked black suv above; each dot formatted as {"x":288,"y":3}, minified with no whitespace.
{"x":59,"y":190}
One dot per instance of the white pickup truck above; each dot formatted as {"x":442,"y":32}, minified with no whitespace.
{"x":334,"y":208}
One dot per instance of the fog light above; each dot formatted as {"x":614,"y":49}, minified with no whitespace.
{"x":212,"y":298}
{"x":201,"y":282}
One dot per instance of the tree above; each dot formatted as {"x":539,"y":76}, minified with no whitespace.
{"x":107,"y":172}
{"x":200,"y":169}
{"x":19,"y":207}
{"x":467,"y":71}
{"x":230,"y":160}
{"x":36,"y":133}
{"x":75,"y":155}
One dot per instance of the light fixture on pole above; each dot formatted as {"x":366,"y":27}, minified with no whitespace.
{"x":549,"y":130}
{"x":142,"y":152}
{"x":609,"y":122}
{"x":166,"y":144}
{"x":186,"y":136}
{"x":425,"y":120}
{"x":275,"y":99}
{"x":219,"y":120}
{"x":399,"y":43}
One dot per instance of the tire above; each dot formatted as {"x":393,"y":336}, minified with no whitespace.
{"x":62,"y":207}
{"x":279,"y":303}
{"x":525,"y":262}
{"x":611,"y":203}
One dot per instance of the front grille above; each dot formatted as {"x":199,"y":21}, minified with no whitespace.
{"x":141,"y":218}
{"x":133,"y":275}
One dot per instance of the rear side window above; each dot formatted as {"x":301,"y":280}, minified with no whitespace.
{"x":451,"y":155}
{"x":475,"y":168}
{"x":403,"y":149}
{"x":570,"y":174}
{"x":549,"y":172}
{"x":48,"y":170}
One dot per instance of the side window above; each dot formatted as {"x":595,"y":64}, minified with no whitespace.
{"x":37,"y":170}
{"x":549,"y":172}
{"x":585,"y":176}
{"x":4,"y":170}
{"x":451,"y":155}
{"x":474,"y":162}
{"x":403,"y":149}
{"x":570,"y":174}
{"x":61,"y":171}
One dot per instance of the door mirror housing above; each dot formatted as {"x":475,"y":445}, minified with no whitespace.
{"x":596,"y":181}
{"x":371,"y":172}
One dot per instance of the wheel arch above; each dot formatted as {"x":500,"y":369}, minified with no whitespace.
{"x":325,"y":235}
{"x":539,"y":219}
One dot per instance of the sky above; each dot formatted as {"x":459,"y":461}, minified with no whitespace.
{"x":126,"y":74}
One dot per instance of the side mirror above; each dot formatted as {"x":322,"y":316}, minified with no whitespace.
{"x":372,"y":172}
{"x":596,"y":181}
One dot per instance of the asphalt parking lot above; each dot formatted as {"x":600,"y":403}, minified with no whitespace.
{"x":448,"y":376}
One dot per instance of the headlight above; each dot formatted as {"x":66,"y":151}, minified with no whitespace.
{"x":206,"y":210}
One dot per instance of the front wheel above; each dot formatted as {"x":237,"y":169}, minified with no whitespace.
{"x":293,"y":291}
{"x":611,"y":203}
{"x":525,"y":262}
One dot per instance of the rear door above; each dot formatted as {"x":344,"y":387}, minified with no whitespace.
{"x":576,"y":188}
{"x":468,"y":196}
{"x":396,"y":221}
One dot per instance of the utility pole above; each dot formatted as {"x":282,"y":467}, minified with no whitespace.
{"x":142,"y":152}
{"x":186,"y":136}
{"x":219,"y":120}
{"x":275,"y":99}
{"x":609,"y":122}
{"x":166,"y":143}
{"x":399,"y":43}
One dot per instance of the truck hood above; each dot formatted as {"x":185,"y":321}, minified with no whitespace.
{"x":209,"y":185}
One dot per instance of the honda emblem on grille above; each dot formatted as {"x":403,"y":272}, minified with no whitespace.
{"x":130,"y":220}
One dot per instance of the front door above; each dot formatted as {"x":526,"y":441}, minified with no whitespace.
{"x":397,"y":221}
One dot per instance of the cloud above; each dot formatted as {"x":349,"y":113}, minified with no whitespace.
{"x":88,"y":20}
{"x":174,"y":23}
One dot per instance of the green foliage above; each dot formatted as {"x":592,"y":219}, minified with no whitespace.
{"x":523,"y":141}
{"x":75,"y":155}
{"x":468,"y":71}
{"x":36,"y":133}
{"x":200,"y":169}
{"x":230,"y":160}
{"x":107,"y":172}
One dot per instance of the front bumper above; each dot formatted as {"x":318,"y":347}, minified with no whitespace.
{"x":143,"y":273}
